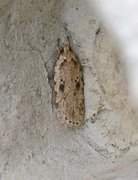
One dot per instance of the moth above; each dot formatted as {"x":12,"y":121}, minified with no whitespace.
{"x":69,"y":88}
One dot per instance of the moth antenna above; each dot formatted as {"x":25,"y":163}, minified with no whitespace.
{"x":58,"y":45}
{"x":66,"y":29}
{"x":58,"y":42}
{"x":68,"y":40}
{"x":59,"y":49}
{"x":65,"y":26}
{"x":69,"y":43}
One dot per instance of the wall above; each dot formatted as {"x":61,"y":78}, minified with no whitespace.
{"x":33,"y":144}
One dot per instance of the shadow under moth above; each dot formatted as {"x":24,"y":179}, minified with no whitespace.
{"x":69,"y":89}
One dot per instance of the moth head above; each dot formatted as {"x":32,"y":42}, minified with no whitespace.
{"x":66,"y":48}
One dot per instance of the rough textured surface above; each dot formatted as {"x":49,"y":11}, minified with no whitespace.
{"x":122,"y":25}
{"x":33,"y":145}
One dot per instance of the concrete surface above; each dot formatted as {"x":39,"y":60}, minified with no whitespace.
{"x":33,"y":145}
{"x":121,"y":19}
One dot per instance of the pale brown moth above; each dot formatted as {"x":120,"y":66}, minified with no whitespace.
{"x":69,"y":89}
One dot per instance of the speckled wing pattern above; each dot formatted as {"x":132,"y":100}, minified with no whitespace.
{"x":69,"y":89}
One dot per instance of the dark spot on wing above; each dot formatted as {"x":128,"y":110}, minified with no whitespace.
{"x":56,"y":105}
{"x":78,"y":85}
{"x":77,"y":81}
{"x":62,"y":85}
{"x":75,"y":63}
{"x":62,"y":64}
{"x":61,"y":51}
